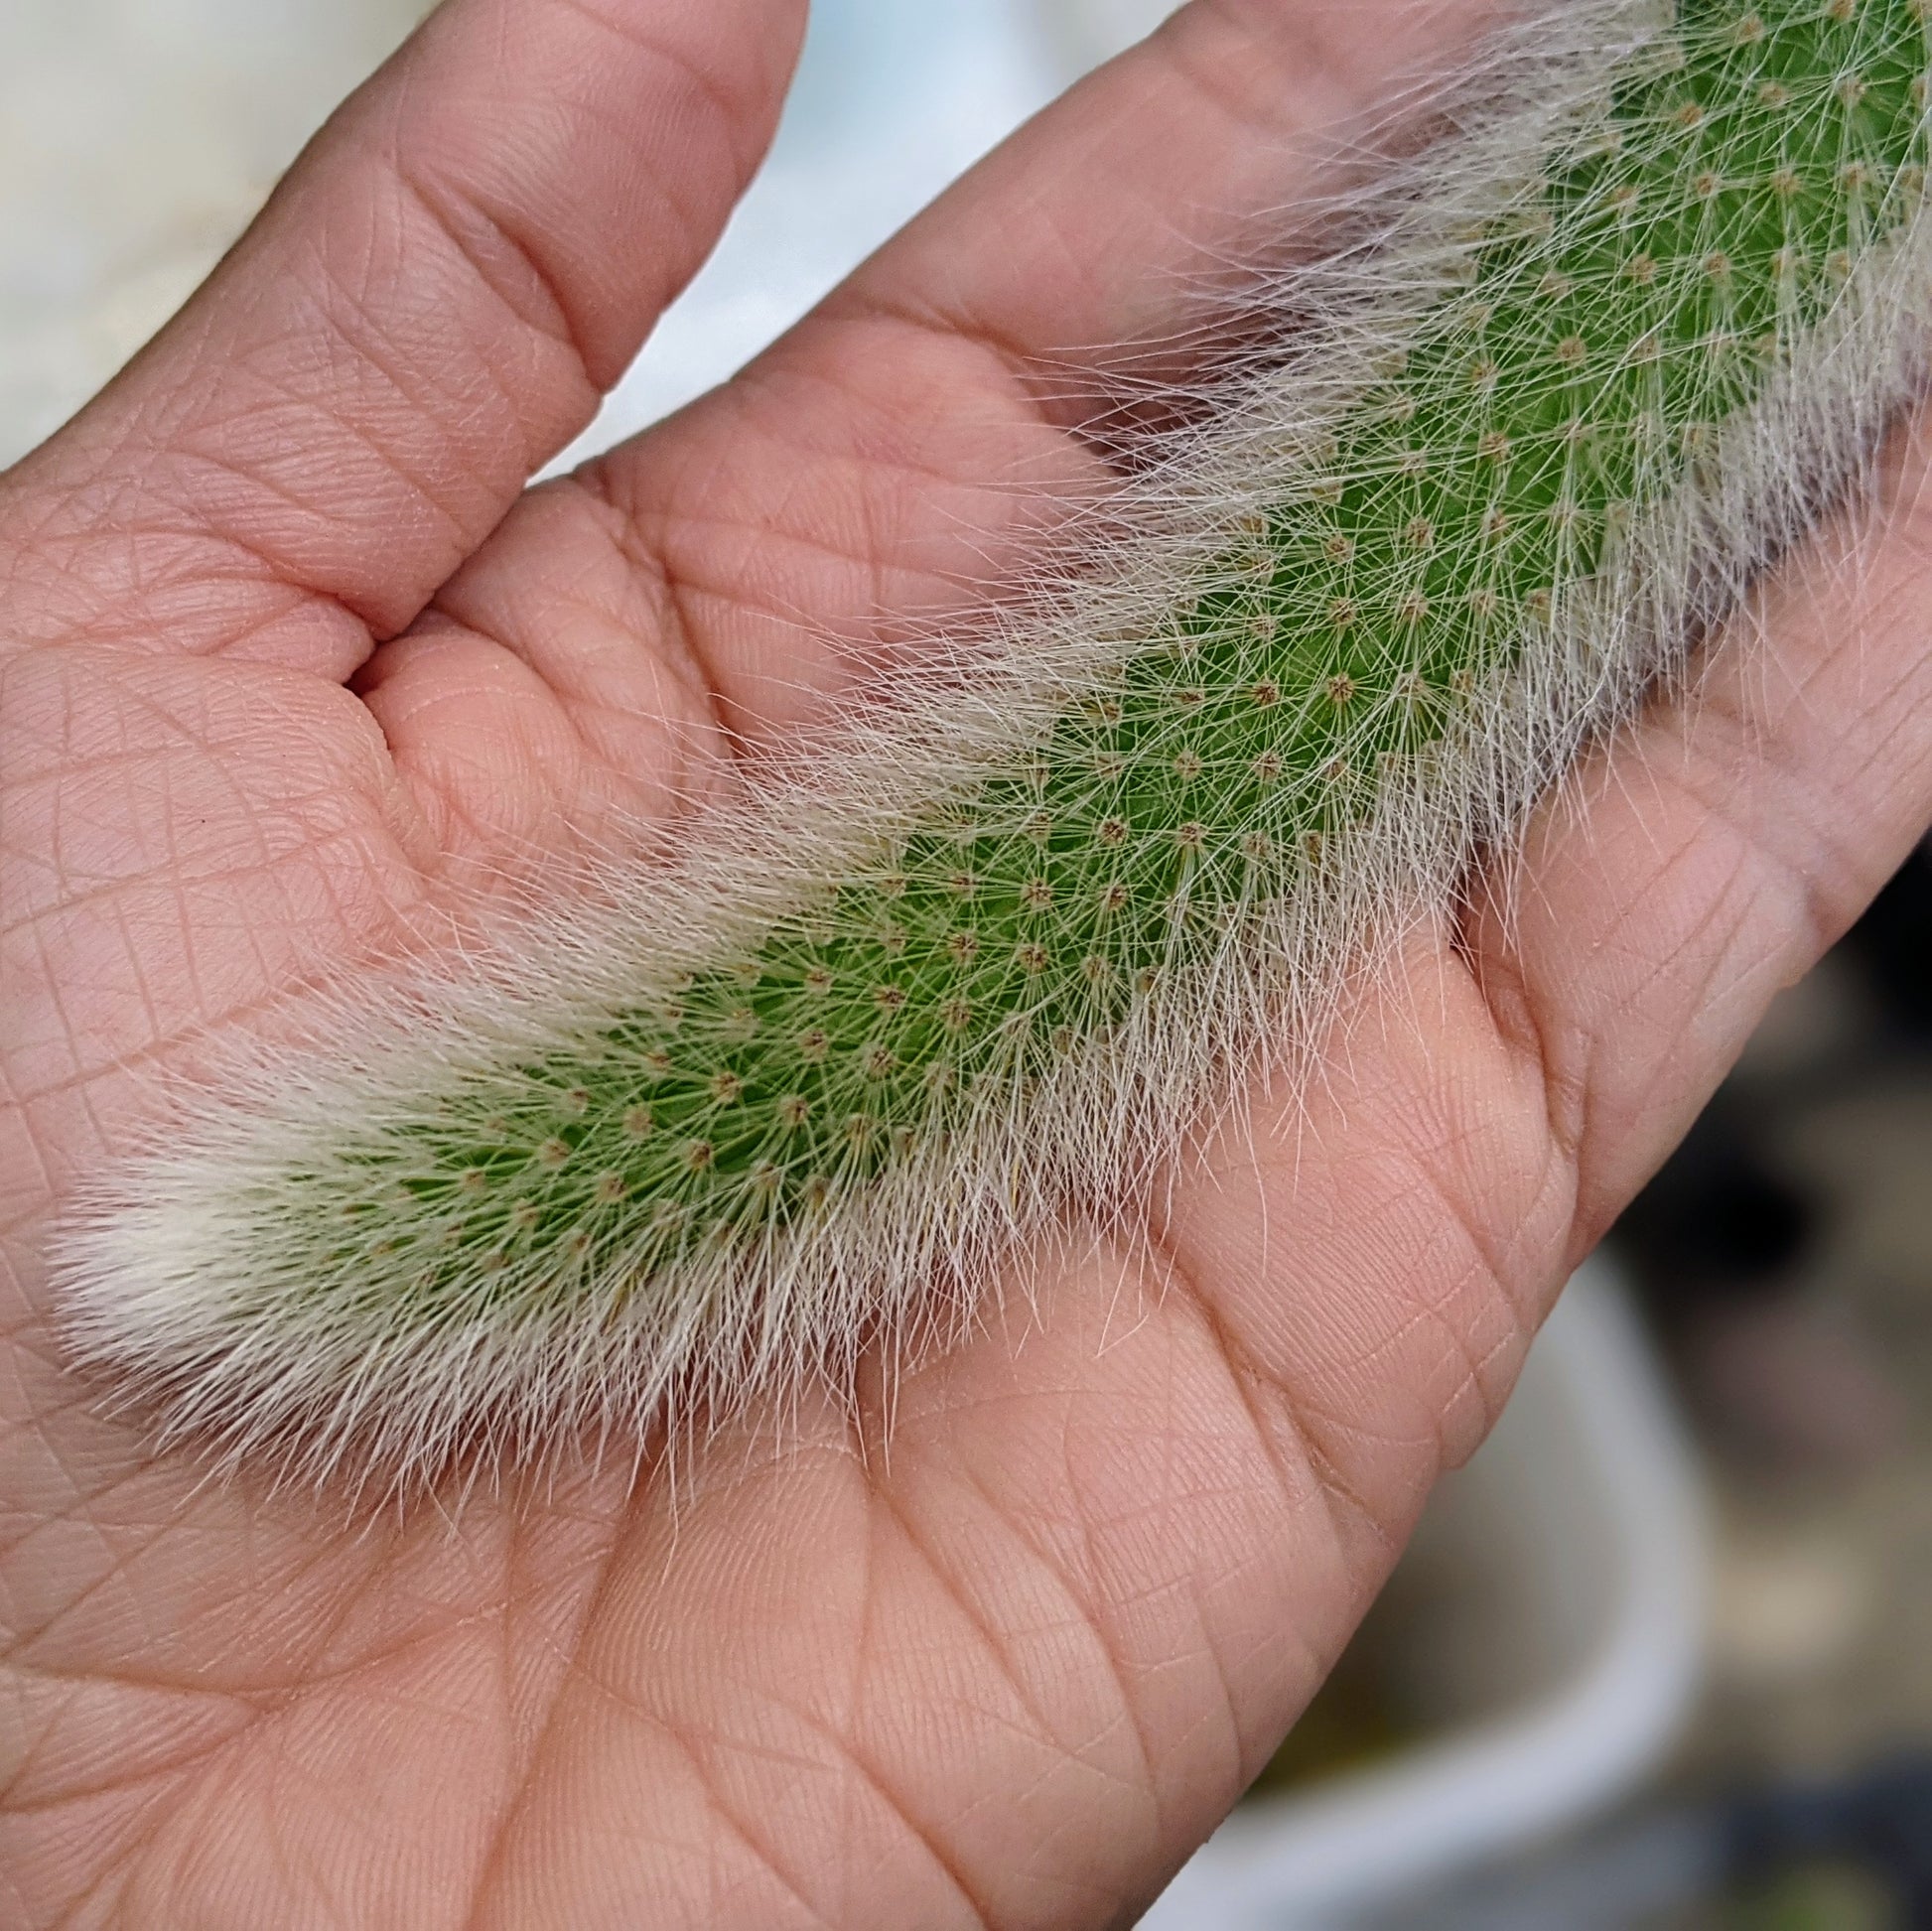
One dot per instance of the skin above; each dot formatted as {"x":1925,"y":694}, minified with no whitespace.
{"x":294,"y":668}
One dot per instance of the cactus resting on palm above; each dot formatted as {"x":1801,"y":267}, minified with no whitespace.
{"x":974,"y":969}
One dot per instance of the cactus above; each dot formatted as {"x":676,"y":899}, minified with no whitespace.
{"x":979,"y":964}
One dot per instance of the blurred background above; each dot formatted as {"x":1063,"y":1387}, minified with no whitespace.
{"x":1661,"y":1655}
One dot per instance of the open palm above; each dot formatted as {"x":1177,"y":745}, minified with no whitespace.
{"x":294,"y":668}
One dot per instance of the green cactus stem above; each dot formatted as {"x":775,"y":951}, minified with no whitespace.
{"x":1651,"y":318}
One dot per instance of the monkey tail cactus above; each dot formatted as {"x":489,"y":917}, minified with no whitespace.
{"x":976,"y":967}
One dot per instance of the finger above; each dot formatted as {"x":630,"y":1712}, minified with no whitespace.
{"x":1113,"y":227}
{"x":426,"y":311}
{"x":943,"y":407}
{"x":1710,"y":859}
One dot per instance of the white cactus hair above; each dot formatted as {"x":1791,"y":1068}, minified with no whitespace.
{"x":187,"y":1277}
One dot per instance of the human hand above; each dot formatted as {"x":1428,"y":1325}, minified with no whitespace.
{"x":294,"y":669}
